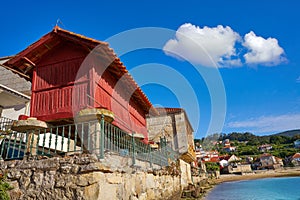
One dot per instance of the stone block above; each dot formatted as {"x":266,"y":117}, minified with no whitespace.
{"x":108,"y":191}
{"x":89,"y":178}
{"x":49,"y":180}
{"x":150,"y":183}
{"x":95,"y":167}
{"x":114,"y":178}
{"x":66,"y":169}
{"x":151,"y":194}
{"x":24,"y":182}
{"x":38,"y":178}
{"x":14,"y":174}
{"x":92,"y":192}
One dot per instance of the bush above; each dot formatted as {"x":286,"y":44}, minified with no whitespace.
{"x":211,"y":166}
{"x":4,"y":187}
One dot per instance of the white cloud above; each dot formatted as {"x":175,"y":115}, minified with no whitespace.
{"x":268,"y":124}
{"x":298,"y":80}
{"x":206,"y":46}
{"x":262,"y":51}
{"x":216,"y":47}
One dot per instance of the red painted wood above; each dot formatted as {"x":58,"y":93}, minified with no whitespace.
{"x":54,"y":95}
{"x":129,"y":115}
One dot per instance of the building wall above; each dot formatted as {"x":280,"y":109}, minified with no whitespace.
{"x":15,"y":111}
{"x":15,"y":82}
{"x":160,"y":126}
{"x":240,"y":169}
{"x":53,"y":79}
{"x":174,"y":127}
{"x":182,"y":134}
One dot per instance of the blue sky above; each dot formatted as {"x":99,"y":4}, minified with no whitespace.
{"x":253,"y":45}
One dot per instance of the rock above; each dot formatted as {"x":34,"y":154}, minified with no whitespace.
{"x":38,"y":178}
{"x":108,"y":191}
{"x":150,"y":194}
{"x":26,"y":172}
{"x":80,"y":160}
{"x":49,"y":180}
{"x":66,"y":169}
{"x":75,"y":169}
{"x":143,"y":196}
{"x":24,"y":182}
{"x":92,"y":192}
{"x":89,"y":179}
{"x":95,"y":167}
{"x":114,"y":178}
{"x":11,"y":164}
{"x":150,"y":183}
{"x":14,"y":174}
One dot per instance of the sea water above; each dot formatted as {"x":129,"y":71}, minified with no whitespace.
{"x":260,"y":189}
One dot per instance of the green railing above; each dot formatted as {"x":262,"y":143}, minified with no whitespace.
{"x":97,"y":137}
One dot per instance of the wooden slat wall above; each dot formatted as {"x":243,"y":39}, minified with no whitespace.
{"x":127,"y":111}
{"x":55,"y":95}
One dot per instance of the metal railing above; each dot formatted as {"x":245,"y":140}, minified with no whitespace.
{"x":5,"y":125}
{"x":96,"y":137}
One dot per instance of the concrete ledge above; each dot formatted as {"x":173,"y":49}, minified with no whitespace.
{"x":90,"y":114}
{"x":28,"y":124}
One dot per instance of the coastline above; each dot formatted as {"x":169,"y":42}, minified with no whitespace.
{"x":284,"y":172}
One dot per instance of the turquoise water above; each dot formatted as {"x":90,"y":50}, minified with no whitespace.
{"x":260,"y":189}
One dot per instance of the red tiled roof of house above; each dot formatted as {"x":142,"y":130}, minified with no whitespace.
{"x":296,"y":155}
{"x":33,"y":53}
{"x":226,"y":157}
{"x":214,"y":159}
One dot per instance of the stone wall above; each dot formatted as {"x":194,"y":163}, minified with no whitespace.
{"x":85,"y":177}
{"x":175,"y":127}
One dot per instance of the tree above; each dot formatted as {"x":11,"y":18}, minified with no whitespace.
{"x":212,"y":166}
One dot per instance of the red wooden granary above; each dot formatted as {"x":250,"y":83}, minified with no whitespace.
{"x":70,"y":72}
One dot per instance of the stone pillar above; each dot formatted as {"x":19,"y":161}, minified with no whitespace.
{"x":32,"y":143}
{"x":30,"y":126}
{"x":90,"y":119}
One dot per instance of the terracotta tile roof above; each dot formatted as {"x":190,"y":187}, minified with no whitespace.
{"x":210,"y":159}
{"x":297,"y":155}
{"x":226,"y":157}
{"x":33,"y":53}
{"x":162,"y":110}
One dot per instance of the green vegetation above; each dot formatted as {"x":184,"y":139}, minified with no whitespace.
{"x":247,"y":143}
{"x":211,"y":166}
{"x":4,"y":187}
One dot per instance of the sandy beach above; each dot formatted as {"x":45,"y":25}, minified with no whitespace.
{"x":260,"y":174}
{"x":285,"y":172}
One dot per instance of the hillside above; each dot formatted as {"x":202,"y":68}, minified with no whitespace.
{"x":290,"y":133}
